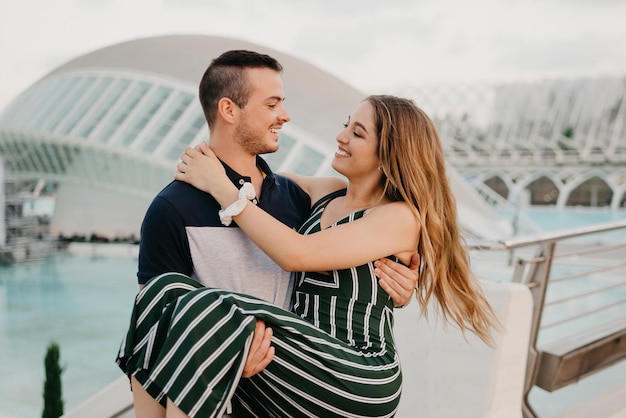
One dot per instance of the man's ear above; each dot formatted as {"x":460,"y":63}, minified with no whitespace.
{"x":227,"y":110}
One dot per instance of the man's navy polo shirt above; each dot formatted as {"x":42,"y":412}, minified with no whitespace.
{"x":182,"y":232}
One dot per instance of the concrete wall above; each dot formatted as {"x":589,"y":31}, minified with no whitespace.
{"x":446,"y":376}
{"x":84,"y":211}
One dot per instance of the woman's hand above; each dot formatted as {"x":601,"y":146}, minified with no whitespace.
{"x":201,"y":168}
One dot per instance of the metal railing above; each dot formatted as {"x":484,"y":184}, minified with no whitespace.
{"x":595,"y":256}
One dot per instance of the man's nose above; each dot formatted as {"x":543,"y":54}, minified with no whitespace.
{"x":284,"y":116}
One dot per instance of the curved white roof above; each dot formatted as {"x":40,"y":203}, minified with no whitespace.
{"x":314,"y":98}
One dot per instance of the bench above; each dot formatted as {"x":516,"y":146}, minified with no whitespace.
{"x":570,"y":359}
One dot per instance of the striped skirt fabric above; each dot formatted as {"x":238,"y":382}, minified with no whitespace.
{"x":189,"y":343}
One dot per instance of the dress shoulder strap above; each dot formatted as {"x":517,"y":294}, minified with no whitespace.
{"x":328,"y":198}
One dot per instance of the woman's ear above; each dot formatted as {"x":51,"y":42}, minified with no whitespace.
{"x":227,"y":110}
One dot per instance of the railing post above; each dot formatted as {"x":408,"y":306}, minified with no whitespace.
{"x":537,"y":282}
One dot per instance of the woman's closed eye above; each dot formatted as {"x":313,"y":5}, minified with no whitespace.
{"x":355,"y":133}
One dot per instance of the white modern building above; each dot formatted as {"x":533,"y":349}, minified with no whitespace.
{"x":108,"y":127}
{"x":559,"y":143}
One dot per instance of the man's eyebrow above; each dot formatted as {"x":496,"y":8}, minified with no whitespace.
{"x":279,"y":98}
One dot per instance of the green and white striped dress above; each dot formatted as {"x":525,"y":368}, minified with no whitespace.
{"x":335,"y":354}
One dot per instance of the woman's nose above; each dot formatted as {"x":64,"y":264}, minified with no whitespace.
{"x":341,"y":138}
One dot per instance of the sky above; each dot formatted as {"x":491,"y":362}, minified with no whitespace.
{"x":372,"y":44}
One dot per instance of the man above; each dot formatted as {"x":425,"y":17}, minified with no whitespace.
{"x":242,"y":97}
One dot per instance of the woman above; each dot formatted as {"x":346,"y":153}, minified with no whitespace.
{"x":335,"y":354}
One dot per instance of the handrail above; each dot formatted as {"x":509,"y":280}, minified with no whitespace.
{"x":543,"y":237}
{"x":537,"y":271}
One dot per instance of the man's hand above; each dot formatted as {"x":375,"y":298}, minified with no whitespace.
{"x":261,"y":352}
{"x":398,"y":280}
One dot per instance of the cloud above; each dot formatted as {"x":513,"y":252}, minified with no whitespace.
{"x":368,"y":43}
{"x":576,"y":56}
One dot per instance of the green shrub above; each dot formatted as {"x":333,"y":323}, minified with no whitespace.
{"x":52,"y":394}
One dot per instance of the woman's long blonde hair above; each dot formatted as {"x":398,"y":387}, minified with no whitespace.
{"x":412,"y":160}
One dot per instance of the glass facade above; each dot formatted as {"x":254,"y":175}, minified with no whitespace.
{"x":143,"y":112}
{"x":128,"y":99}
{"x":122,"y":130}
{"x":166,"y":121}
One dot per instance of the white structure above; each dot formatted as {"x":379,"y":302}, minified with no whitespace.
{"x":554,"y":142}
{"x":3,"y":231}
{"x":109,"y":127}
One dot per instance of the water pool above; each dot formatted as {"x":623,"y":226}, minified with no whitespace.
{"x":81,"y":302}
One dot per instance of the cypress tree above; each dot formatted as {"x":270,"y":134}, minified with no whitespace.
{"x":52,"y":396}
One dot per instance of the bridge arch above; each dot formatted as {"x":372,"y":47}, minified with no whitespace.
{"x":592,"y":192}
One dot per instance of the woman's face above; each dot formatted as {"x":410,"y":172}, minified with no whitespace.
{"x":357,"y":153}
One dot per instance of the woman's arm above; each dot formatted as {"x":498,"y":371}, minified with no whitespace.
{"x":385,"y":230}
{"x":317,"y":187}
{"x":388,"y":229}
{"x":398,"y":280}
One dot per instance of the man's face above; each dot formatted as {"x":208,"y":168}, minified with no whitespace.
{"x":264,"y":114}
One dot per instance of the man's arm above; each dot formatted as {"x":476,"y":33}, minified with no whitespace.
{"x":261,"y":352}
{"x":317,"y":187}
